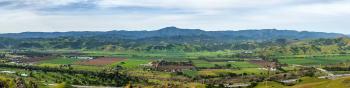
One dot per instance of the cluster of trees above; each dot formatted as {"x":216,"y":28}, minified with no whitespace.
{"x":337,"y":68}
{"x":181,"y":43}
{"x":189,"y":44}
{"x":8,"y":82}
{"x":303,"y":50}
{"x":263,"y":34}
{"x":114,"y":78}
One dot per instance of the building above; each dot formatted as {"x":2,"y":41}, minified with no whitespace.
{"x":171,"y":66}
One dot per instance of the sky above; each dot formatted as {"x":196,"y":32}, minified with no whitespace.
{"x":105,"y":15}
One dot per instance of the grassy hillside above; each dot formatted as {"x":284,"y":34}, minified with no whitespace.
{"x":308,"y":82}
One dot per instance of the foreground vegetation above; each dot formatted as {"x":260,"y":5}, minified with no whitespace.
{"x":80,"y":61}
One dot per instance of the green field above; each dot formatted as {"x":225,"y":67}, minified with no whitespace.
{"x":239,"y":64}
{"x":226,"y":66}
{"x":309,"y":82}
{"x":131,"y":63}
{"x":190,"y":73}
{"x":216,"y":72}
{"x":316,"y":60}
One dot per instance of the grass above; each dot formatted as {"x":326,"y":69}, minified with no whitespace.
{"x":169,"y":54}
{"x":136,"y":58}
{"x":244,"y":64}
{"x":9,"y":81}
{"x":316,"y":60}
{"x":202,"y":63}
{"x":195,"y":85}
{"x":323,"y":83}
{"x":269,"y":84}
{"x":88,"y":68}
{"x":210,"y":54}
{"x":77,"y":67}
{"x":131,"y":63}
{"x":255,"y":71}
{"x":305,"y":80}
{"x":146,"y":74}
{"x":190,"y":73}
{"x":310,"y":82}
{"x":216,"y":72}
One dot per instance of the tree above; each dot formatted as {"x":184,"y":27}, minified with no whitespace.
{"x":228,"y":65}
{"x":281,"y":42}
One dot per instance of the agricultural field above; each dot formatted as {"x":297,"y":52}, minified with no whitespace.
{"x":131,"y":62}
{"x":100,"y":61}
{"x":237,"y":64}
{"x":59,"y":60}
{"x":211,"y":66}
{"x":174,"y":44}
{"x":216,"y":72}
{"x":323,"y":60}
{"x":307,"y":82}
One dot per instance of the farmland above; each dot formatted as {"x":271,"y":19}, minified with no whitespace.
{"x":310,"y":82}
{"x":245,"y":64}
{"x":174,"y":44}
{"x":132,"y":63}
{"x":99,"y":61}
{"x":316,"y":60}
{"x":59,"y":61}
{"x":239,"y":64}
{"x":208,"y":65}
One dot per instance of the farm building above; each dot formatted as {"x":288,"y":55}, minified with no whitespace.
{"x":80,"y":57}
{"x":268,"y":65}
{"x":147,"y":65}
{"x":237,"y":85}
{"x":171,"y":66}
{"x":289,"y":81}
{"x":89,"y":58}
{"x":248,"y":52}
{"x":18,"y":59}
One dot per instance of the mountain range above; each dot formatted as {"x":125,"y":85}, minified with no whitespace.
{"x":170,"y":32}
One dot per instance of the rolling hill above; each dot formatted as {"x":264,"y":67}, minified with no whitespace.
{"x":169,"y":32}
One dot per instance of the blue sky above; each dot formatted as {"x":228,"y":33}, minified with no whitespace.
{"x":105,"y":15}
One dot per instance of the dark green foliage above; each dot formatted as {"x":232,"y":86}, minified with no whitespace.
{"x":166,"y":39}
{"x":169,"y":32}
{"x":117,"y":78}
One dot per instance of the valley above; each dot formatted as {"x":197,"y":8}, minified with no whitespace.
{"x":176,"y":63}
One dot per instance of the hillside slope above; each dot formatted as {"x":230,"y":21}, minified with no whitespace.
{"x":262,"y":34}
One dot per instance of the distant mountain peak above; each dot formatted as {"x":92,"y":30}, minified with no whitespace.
{"x":173,"y":28}
{"x":169,"y":28}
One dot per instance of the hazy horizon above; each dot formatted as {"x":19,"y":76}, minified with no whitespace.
{"x":329,"y":16}
{"x":162,"y":28}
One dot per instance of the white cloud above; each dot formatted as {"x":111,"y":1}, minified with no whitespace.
{"x":39,"y":4}
{"x":337,"y":8}
{"x":313,"y":15}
